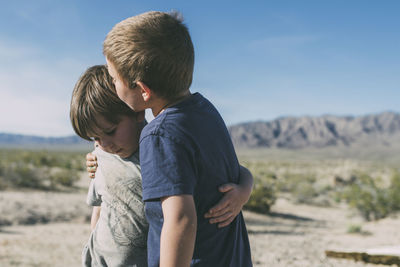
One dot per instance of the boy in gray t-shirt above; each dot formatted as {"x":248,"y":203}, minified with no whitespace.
{"x":121,"y":225}
{"x":119,"y":233}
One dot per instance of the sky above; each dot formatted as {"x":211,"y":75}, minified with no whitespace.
{"x":254,"y":60}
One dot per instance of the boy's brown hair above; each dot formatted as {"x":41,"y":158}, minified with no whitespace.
{"x":154,"y":48}
{"x":93,"y":96}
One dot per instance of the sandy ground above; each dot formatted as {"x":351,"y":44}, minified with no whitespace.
{"x":298,"y":235}
{"x":55,"y":244}
{"x":293,"y":235}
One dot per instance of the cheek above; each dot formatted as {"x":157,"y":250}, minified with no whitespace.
{"x":122,"y":91}
{"x":119,"y":89}
{"x":129,"y":138}
{"x":123,"y":138}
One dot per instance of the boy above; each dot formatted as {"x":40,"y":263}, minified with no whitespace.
{"x":185,"y":152}
{"x":119,"y":226}
{"x":119,"y":231}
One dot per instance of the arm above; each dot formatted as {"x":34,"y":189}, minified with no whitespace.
{"x":178,"y":233}
{"x":226,"y":210}
{"x":95,"y":217}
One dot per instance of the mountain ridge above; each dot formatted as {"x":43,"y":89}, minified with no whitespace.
{"x":19,"y":140}
{"x":318,"y":131}
{"x":284,"y":132}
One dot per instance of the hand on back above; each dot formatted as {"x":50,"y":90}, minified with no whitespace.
{"x":223,"y":213}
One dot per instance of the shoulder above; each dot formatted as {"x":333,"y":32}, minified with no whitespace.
{"x":103,"y":155}
{"x":113,"y":167}
{"x":183,"y":124}
{"x":166,"y":126}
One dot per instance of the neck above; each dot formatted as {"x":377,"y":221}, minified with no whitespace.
{"x":163,"y":103}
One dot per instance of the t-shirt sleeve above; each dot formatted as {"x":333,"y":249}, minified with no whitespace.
{"x":93,"y":197}
{"x":168,"y":167}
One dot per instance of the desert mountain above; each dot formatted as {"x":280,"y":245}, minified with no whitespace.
{"x":322,"y":131}
{"x":286,"y":132}
{"x":18,"y":140}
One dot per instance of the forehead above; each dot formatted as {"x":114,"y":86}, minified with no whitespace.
{"x":99,"y":126}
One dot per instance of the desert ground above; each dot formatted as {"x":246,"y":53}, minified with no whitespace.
{"x":50,"y":229}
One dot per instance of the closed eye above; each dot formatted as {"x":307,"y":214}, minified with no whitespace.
{"x":110,"y":132}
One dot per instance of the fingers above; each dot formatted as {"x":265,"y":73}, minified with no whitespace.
{"x":218,"y":209}
{"x":91,"y":169}
{"x":224,"y":219}
{"x":90,"y":157}
{"x":91,"y":164}
{"x":220,"y":212}
{"x":226,"y":187}
{"x":91,"y":160}
{"x":222,"y":206}
{"x":227,"y":222}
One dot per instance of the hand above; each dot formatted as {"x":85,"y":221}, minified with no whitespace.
{"x":91,"y":164}
{"x":229,"y":206}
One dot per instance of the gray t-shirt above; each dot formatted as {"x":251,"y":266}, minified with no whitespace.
{"x":119,"y":238}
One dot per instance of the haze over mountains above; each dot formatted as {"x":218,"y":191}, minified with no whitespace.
{"x":381,"y":129}
{"x":30,"y":141}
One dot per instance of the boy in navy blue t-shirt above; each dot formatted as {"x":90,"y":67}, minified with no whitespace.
{"x":186,"y":152}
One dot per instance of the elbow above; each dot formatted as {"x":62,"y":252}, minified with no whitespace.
{"x":188,"y":221}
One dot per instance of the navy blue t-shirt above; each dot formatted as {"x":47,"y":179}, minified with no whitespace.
{"x":187,"y":150}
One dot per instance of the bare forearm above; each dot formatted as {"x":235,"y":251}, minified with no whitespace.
{"x":95,"y":217}
{"x":179,"y":231}
{"x":246,"y":181}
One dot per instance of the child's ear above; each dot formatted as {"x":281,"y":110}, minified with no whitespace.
{"x":140,"y":116}
{"x":145,"y":91}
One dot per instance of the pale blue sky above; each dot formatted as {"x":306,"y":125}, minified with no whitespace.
{"x":255,"y":60}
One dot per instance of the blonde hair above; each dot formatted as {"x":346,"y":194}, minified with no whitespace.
{"x":93,"y":96}
{"x":154,"y":48}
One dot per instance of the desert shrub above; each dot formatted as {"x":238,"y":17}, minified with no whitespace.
{"x":25,"y":176}
{"x":394,"y":191}
{"x":1,"y":169}
{"x":304,"y":193}
{"x":45,"y":170}
{"x":262,"y":197}
{"x":368,"y":198}
{"x":300,"y":186}
{"x":22,"y":175}
{"x":3,"y":185}
{"x":63,"y":177}
{"x":354,"y":229}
